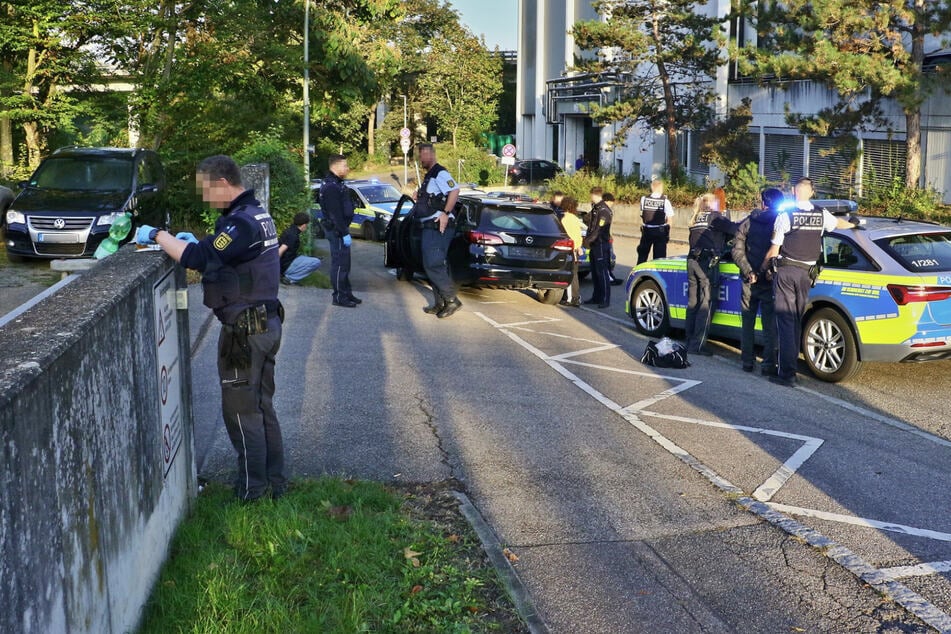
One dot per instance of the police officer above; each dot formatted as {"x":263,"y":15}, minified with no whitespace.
{"x":752,"y":241}
{"x":709,"y":229}
{"x":434,"y":210}
{"x":598,"y":242}
{"x":796,"y":245}
{"x":656,"y":212}
{"x":240,"y":277}
{"x":337,"y":206}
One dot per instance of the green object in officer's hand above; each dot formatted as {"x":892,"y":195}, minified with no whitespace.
{"x":117,"y":232}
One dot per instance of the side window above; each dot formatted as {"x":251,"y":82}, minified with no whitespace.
{"x":841,"y":253}
{"x":357,"y":203}
{"x":145,"y":174}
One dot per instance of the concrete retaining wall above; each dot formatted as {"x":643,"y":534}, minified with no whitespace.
{"x":97,"y":462}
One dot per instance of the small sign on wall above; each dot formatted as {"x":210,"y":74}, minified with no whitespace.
{"x":169,"y":369}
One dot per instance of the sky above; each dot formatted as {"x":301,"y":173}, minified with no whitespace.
{"x":496,"y":19}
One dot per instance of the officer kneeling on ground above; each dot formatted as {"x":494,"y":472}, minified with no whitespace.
{"x":240,"y":277}
{"x":796,"y":247}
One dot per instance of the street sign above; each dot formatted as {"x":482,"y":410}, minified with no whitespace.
{"x":508,"y":150}
{"x":404,"y":143}
{"x":507,"y":160}
{"x":404,"y":133}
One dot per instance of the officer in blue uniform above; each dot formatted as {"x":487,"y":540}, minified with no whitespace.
{"x":240,"y":278}
{"x":709,"y":229}
{"x":796,"y":247}
{"x":337,"y":207}
{"x":434,"y":207}
{"x":656,"y":212}
{"x":752,"y":241}
{"x":598,"y":242}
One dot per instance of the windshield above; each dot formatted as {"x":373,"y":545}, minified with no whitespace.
{"x":379,"y":193}
{"x":920,"y":252}
{"x":84,"y":174}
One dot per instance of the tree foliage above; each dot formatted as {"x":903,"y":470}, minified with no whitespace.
{"x":725,"y":143}
{"x":664,"y":57}
{"x":865,"y":50}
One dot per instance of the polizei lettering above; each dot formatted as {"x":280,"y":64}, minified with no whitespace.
{"x":806,"y":220}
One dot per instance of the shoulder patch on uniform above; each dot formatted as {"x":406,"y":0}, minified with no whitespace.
{"x":451,"y":183}
{"x":601,"y":222}
{"x":222,"y":240}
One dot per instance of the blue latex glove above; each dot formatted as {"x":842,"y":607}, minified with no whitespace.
{"x":186,"y":236}
{"x":347,"y":240}
{"x":144,"y":235}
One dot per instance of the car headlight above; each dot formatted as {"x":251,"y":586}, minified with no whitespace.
{"x":15,"y":217}
{"x":108,"y":219}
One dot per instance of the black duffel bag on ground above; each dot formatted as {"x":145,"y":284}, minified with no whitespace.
{"x":665,"y":354}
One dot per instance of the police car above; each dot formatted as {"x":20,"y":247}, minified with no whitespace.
{"x":373,"y":206}
{"x":884,"y":294}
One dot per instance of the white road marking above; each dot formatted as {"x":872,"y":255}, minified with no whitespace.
{"x":903,"y":572}
{"x":778,"y":514}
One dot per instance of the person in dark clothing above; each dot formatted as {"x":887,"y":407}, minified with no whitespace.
{"x":295,"y":267}
{"x":598,"y":242}
{"x":752,"y":241}
{"x":240,"y":277}
{"x":434,"y":209}
{"x":337,"y":205}
{"x":709,"y":229}
{"x":556,"y":206}
{"x":797,"y":245}
{"x":656,"y":212}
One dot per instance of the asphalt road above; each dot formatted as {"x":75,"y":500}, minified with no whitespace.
{"x":696,"y":500}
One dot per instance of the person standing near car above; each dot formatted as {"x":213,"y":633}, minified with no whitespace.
{"x":709,"y":229}
{"x":608,"y":199}
{"x":434,"y":210}
{"x":295,"y":268}
{"x":240,"y":277}
{"x":572,"y":224}
{"x":750,"y":245}
{"x":598,"y":242}
{"x":656,"y":212}
{"x":796,"y":247}
{"x":337,"y":205}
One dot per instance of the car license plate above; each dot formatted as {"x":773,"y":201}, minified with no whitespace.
{"x":58,"y":238}
{"x":527,"y":252}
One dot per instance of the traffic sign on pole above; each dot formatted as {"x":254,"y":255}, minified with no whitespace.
{"x":508,"y":150}
{"x":404,"y":133}
{"x":404,"y":143}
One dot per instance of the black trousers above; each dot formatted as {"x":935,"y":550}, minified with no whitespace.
{"x":435,"y":247}
{"x":339,"y":267}
{"x":703,"y":286}
{"x":655,"y":238}
{"x":758,"y":298}
{"x":791,"y":286}
{"x":600,"y":257}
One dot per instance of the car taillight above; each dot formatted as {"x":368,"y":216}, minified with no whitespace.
{"x":567,"y":244}
{"x":908,"y":294}
{"x":480,"y":237}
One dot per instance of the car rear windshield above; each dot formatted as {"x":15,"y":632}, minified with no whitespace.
{"x":920,"y":252}
{"x":540,"y":222}
{"x":84,"y":174}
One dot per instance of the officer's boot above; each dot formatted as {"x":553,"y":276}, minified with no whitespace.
{"x":438,"y":304}
{"x":450,"y":307}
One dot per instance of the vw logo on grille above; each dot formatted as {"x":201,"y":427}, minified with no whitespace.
{"x":529,"y":240}
{"x":59,"y":223}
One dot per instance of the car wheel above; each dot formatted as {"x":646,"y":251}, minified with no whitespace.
{"x":404,"y":273}
{"x":550,"y":296}
{"x":649,"y":310}
{"x":369,"y":232}
{"x":829,"y":346}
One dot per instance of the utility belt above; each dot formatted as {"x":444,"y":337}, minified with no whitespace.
{"x":704,"y":254}
{"x":434,"y":224}
{"x":812,"y":269}
{"x":253,"y":320}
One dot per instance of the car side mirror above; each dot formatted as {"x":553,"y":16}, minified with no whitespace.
{"x":148,"y":189}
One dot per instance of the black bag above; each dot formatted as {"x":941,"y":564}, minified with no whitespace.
{"x":676,"y":358}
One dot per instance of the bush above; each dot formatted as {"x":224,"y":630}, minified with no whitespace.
{"x":627,"y":190}
{"x":894,"y":199}
{"x":478,"y":166}
{"x":289,"y":193}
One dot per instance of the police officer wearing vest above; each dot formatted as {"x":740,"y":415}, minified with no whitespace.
{"x":434,"y":210}
{"x":752,"y":241}
{"x":709,"y":229}
{"x":240,"y":278}
{"x":598,"y":242}
{"x":656,"y":212}
{"x":337,"y":207}
{"x":796,"y":247}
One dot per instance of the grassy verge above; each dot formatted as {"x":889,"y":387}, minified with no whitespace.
{"x":330,"y":556}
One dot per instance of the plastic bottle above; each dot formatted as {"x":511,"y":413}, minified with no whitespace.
{"x":117,"y":232}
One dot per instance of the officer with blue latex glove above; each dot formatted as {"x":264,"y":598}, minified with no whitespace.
{"x":145,"y":235}
{"x":337,"y":205}
{"x":187,"y":236}
{"x":347,"y":241}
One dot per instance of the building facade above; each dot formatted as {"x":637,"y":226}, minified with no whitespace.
{"x":552,"y":121}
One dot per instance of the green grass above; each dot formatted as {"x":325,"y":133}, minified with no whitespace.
{"x":330,"y":556}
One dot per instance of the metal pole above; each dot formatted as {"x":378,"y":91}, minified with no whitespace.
{"x":405,"y":168}
{"x":307,"y":93}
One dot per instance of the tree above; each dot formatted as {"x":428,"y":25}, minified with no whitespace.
{"x":726,"y":144}
{"x":664,"y":56}
{"x":866,"y":50}
{"x":460,"y":87}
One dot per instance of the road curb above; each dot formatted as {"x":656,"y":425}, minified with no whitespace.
{"x":509,"y":577}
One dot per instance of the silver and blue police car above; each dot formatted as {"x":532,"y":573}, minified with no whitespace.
{"x":883,"y":294}
{"x":373,"y":206}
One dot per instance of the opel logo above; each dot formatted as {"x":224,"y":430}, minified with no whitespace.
{"x":59,"y":223}
{"x":529,"y":240}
